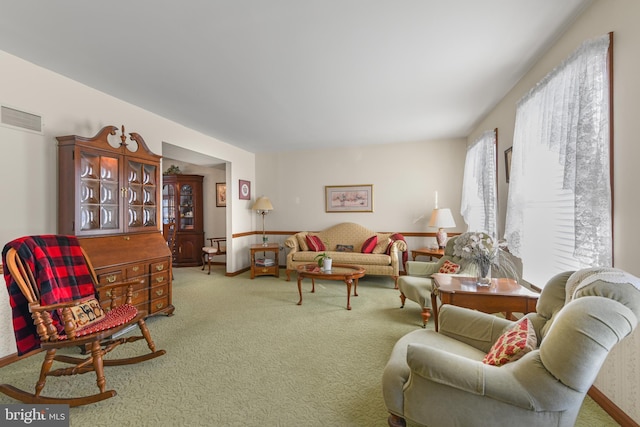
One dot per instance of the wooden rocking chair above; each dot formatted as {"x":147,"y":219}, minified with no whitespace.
{"x":78,"y":322}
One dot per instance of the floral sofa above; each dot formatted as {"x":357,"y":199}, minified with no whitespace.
{"x":344,"y":243}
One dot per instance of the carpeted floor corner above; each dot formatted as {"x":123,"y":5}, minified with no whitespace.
{"x":240,"y":352}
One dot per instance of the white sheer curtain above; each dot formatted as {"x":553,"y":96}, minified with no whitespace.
{"x":479,"y":203}
{"x":559,"y":204}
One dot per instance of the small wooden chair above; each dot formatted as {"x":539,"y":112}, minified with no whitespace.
{"x":215,"y":248}
{"x":78,"y":322}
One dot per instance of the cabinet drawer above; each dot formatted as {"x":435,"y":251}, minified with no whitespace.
{"x":140,"y":290}
{"x":267,"y":270}
{"x":160,"y":291}
{"x":135,"y":270}
{"x":158,"y":267}
{"x":158,"y":304}
{"x":159,"y":279}
{"x":110,"y":277}
{"x":140,"y":295}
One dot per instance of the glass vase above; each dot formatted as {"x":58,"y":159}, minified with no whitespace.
{"x":484,"y":275}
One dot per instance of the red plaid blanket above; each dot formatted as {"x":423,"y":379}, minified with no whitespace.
{"x":61,"y":275}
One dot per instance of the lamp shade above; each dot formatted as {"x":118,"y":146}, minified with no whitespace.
{"x":262,"y":204}
{"x":442,"y":218}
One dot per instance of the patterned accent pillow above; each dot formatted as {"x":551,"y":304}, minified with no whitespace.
{"x":302,"y":241}
{"x":369,"y":245}
{"x":315,"y":243}
{"x":449,"y":267}
{"x":344,"y":248}
{"x":514,"y":343}
{"x":381,"y":246}
{"x":86,"y":313}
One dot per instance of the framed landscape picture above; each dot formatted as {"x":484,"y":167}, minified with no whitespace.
{"x":348,"y":198}
{"x":221,"y":194}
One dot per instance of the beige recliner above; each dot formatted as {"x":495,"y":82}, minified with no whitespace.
{"x":438,"y":379}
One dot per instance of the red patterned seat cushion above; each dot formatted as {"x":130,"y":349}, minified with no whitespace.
{"x":514,"y":343}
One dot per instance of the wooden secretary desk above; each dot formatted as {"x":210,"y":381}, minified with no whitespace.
{"x":108,"y":196}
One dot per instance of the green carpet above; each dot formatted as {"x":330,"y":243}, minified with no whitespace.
{"x":240,"y":352}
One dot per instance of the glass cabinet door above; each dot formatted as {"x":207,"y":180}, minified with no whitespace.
{"x":141,"y":191}
{"x":99,"y":192}
{"x":186,"y":207}
{"x":168,"y":203}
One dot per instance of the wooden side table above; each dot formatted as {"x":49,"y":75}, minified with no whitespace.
{"x":265,"y":270}
{"x":433,"y":253}
{"x":503,"y":296}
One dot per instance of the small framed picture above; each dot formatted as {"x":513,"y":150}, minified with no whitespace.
{"x":221,"y":194}
{"x":507,"y":162}
{"x":244,"y":190}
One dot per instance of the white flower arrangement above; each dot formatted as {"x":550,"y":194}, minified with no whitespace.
{"x":485,"y":252}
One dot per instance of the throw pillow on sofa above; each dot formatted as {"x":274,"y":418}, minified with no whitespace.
{"x":383,"y":242}
{"x":369,"y":245}
{"x":315,"y":243}
{"x":302,"y":241}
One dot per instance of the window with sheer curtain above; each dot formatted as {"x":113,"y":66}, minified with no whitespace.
{"x":479,"y":203}
{"x":559,"y":214}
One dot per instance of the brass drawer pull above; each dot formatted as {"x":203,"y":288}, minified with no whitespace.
{"x":136,"y":268}
{"x":135,"y":295}
{"x":112,"y":278}
{"x":159,"y":305}
{"x":160,"y":279}
{"x":160,"y":292}
{"x":160,"y":267}
{"x":108,"y":294}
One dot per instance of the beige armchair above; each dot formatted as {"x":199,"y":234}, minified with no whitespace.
{"x":439,"y":379}
{"x":417,"y":284}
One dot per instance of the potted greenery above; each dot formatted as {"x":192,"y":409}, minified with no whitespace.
{"x":324,"y":261}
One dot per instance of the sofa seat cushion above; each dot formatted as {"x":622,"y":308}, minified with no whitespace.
{"x":355,"y":258}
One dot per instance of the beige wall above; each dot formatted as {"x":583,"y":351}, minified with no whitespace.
{"x":404,"y":176}
{"x":619,"y":377}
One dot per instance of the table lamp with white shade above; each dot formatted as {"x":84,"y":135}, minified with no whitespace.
{"x":441,"y":219}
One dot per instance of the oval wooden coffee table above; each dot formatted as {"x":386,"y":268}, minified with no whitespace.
{"x":349,"y":274}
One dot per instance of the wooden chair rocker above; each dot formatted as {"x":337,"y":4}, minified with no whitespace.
{"x":38,"y":279}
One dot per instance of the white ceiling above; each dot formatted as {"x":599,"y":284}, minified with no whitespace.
{"x":292,"y":74}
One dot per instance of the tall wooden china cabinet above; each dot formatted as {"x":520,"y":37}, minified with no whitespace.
{"x":108,"y":190}
{"x":182,"y":204}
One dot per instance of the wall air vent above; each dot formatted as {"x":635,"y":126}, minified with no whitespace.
{"x":20,"y":119}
